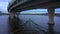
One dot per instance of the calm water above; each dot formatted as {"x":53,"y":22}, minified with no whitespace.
{"x":37,"y":23}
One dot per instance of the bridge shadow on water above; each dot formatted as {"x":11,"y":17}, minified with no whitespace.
{"x":17,"y":26}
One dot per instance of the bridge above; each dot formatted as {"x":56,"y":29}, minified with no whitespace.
{"x":16,"y":6}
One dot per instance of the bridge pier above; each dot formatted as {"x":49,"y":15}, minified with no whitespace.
{"x":13,"y":14}
{"x":17,"y":14}
{"x":51,"y":15}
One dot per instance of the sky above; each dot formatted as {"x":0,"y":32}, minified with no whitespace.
{"x":4,"y":5}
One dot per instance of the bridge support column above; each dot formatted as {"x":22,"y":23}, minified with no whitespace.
{"x":17,"y":14}
{"x":12,"y":14}
{"x":51,"y":15}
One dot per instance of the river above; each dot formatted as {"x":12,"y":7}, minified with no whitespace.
{"x":8,"y":26}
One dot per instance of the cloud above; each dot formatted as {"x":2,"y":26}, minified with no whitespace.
{"x":4,"y":0}
{"x":35,"y":11}
{"x":3,"y":6}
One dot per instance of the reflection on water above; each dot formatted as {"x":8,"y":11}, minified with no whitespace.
{"x":50,"y":29}
{"x":14,"y":24}
{"x":29,"y":27}
{"x":26,"y":28}
{"x":28,"y":24}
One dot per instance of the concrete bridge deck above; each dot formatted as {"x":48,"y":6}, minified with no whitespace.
{"x":32,"y":4}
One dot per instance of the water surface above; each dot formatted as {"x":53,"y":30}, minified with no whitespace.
{"x":8,"y":25}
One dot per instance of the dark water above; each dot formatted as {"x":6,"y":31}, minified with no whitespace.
{"x":29,"y":24}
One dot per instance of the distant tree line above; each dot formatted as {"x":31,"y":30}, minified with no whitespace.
{"x":0,"y":12}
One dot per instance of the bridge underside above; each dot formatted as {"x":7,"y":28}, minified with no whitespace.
{"x":28,"y":6}
{"x":42,"y":6}
{"x":50,"y":5}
